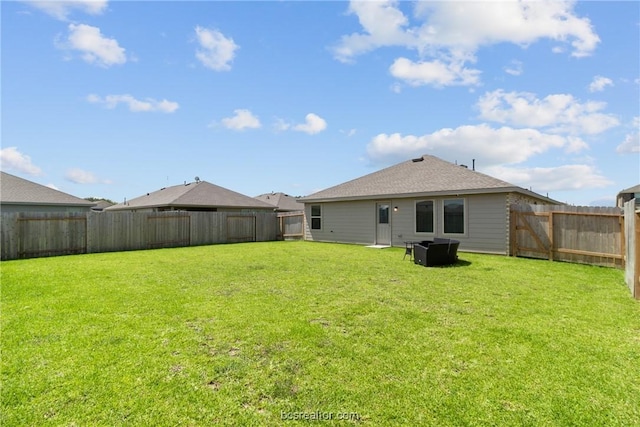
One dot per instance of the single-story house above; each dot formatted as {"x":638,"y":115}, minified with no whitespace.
{"x":419,"y":199}
{"x":193,"y":196}
{"x":282,"y":202}
{"x":21,"y":195}
{"x":627,"y":194}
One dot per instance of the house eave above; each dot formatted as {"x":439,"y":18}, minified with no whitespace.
{"x":185,"y":207}
{"x":460,"y":192}
{"x":75,"y":205}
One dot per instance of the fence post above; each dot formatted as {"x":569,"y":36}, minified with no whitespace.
{"x":513,"y":222}
{"x":636,"y":272}
{"x":623,"y":241}
{"x":551,"y":248}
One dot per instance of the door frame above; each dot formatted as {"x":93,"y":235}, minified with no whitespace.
{"x":377,"y":223}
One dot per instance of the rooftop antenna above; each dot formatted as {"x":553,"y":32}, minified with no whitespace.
{"x":473,"y":164}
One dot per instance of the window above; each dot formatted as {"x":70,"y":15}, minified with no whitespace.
{"x":383,"y":214}
{"x":424,"y":216}
{"x":453,"y":216}
{"x":316,"y":217}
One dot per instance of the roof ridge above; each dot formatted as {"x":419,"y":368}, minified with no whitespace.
{"x":427,"y":174}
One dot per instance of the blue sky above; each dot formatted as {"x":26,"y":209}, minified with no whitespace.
{"x":116,"y":99}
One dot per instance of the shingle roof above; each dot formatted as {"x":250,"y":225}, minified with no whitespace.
{"x":201,"y":194}
{"x":283,"y":202}
{"x":16,"y":190}
{"x":634,"y":189}
{"x":102,"y":204}
{"x":426,"y":175}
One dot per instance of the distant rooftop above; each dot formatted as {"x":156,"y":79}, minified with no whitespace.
{"x":16,"y":190}
{"x":282,"y":201}
{"x":199,"y":194}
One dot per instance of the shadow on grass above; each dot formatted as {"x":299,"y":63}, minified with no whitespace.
{"x":457,"y":264}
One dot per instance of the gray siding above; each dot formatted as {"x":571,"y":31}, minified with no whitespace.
{"x":345,"y":222}
{"x":486,"y":222}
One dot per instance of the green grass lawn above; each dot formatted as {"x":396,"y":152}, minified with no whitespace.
{"x":270,"y":333}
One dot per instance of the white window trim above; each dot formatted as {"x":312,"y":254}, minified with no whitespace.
{"x":435,"y":222}
{"x":465,"y":219}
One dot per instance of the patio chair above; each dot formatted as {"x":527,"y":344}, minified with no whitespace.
{"x":442,"y":252}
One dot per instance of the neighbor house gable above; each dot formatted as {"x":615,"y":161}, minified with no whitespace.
{"x":281,"y":201}
{"x":193,"y":195}
{"x":19,"y":191}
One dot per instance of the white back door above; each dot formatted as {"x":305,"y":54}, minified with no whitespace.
{"x":383,"y":223}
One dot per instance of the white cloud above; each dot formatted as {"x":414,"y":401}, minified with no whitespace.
{"x":135,"y":105}
{"x":470,"y":25}
{"x":313,"y":124}
{"x":566,"y":177}
{"x":631,"y":143}
{"x":396,"y":87}
{"x":446,"y":35}
{"x":243,"y":119}
{"x":12,"y":159}
{"x":436,"y":73}
{"x":281,"y":125}
{"x":62,"y":9}
{"x":383,"y":24}
{"x":489,"y":146}
{"x":514,"y":68}
{"x":216,"y":51}
{"x":599,"y":83}
{"x":558,"y":113}
{"x":95,"y":48}
{"x":80,"y":176}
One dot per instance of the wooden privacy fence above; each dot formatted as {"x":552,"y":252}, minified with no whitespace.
{"x":48,"y":234}
{"x":632,"y":247}
{"x":581,"y":234}
{"x":291,"y":226}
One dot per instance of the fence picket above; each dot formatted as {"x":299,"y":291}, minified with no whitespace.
{"x":589,"y":235}
{"x":50,"y":234}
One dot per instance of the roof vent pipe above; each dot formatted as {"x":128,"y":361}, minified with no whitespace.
{"x":473,"y":164}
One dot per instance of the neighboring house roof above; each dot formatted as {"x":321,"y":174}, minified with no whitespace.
{"x":631,"y":190}
{"x":18,"y":191}
{"x":627,"y":194}
{"x":193,"y":195}
{"x":424,"y":176}
{"x":281,"y":201}
{"x":101,"y":205}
